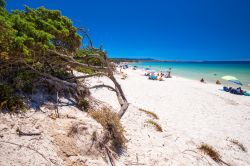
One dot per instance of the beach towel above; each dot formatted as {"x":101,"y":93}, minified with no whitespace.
{"x":246,"y":94}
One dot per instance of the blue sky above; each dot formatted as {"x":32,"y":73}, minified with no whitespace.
{"x":160,"y":29}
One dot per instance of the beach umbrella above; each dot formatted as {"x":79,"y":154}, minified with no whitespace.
{"x":232,"y":79}
{"x":229,"y":78}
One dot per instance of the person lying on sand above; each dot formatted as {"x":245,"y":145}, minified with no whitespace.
{"x":159,"y":78}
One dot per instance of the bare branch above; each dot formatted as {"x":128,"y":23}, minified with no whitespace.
{"x":73,"y":85}
{"x":83,"y":31}
{"x":120,"y":95}
{"x":71,"y":60}
{"x":104,"y":86}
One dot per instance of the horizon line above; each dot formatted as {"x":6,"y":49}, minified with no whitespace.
{"x":162,"y":60}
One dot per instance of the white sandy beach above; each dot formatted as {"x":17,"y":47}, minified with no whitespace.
{"x":191,"y":113}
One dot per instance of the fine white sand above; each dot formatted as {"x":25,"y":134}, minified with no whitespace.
{"x":191,"y":113}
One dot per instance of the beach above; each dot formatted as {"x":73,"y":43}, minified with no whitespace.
{"x":190,"y":113}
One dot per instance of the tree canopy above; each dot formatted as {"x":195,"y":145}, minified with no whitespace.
{"x":41,"y":47}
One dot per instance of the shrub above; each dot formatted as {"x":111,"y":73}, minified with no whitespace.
{"x":85,"y":70}
{"x":111,"y":122}
{"x":156,"y":125}
{"x":83,"y":104}
{"x":23,"y":81}
{"x":8,"y":101}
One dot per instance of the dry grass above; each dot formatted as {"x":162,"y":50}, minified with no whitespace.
{"x":210,"y":151}
{"x":240,"y":145}
{"x":156,"y":125}
{"x":111,"y":122}
{"x":152,"y":114}
{"x":75,"y":128}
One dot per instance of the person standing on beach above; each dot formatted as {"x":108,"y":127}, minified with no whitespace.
{"x":169,"y":73}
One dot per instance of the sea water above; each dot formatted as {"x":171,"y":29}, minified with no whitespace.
{"x":209,"y":71}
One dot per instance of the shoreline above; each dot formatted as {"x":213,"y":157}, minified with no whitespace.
{"x":206,"y":82}
{"x":194,"y":76}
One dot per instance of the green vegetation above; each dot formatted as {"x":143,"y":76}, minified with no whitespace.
{"x":41,"y":47}
{"x":10,"y":102}
{"x":83,"y":104}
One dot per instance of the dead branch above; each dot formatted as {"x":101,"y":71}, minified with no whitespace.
{"x":72,"y":61}
{"x":49,"y":77}
{"x":21,"y":133}
{"x":120,"y":95}
{"x":105,"y":86}
{"x":83,"y":31}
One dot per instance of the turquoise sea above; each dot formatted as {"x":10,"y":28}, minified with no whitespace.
{"x":210,"y":71}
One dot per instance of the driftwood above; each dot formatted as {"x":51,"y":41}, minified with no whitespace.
{"x":21,"y":133}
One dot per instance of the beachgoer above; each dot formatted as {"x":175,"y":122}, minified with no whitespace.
{"x":202,"y":80}
{"x":218,"y":82}
{"x":159,"y":78}
{"x":169,"y":74}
